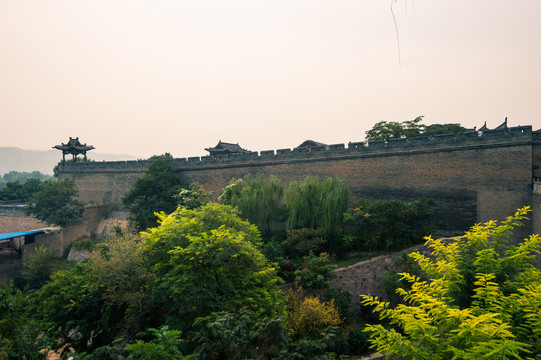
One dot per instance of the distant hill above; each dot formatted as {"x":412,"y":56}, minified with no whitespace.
{"x":16,"y":159}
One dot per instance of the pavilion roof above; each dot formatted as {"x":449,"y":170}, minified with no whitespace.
{"x":226,"y":148}
{"x":74,"y":146}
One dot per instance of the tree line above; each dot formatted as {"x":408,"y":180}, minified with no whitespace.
{"x":198,"y":277}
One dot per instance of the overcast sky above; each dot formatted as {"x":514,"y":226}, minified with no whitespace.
{"x":155,"y":76}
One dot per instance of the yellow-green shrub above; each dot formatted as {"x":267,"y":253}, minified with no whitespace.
{"x":482,"y":299}
{"x":308,"y":316}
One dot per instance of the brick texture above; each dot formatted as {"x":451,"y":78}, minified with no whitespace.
{"x":470,"y":178}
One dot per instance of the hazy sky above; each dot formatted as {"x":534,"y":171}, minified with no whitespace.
{"x":155,"y":76}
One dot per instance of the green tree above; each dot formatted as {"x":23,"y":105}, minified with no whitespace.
{"x":72,"y":307}
{"x":316,"y":272}
{"x":21,"y":191}
{"x":175,"y":229}
{"x":318,"y":204}
{"x":55,"y":203}
{"x":41,"y":264}
{"x":241,"y":335}
{"x":439,"y":129}
{"x":388,"y":224}
{"x":22,"y":177}
{"x":259,"y":200}
{"x":119,"y":264}
{"x":106,"y":298}
{"x":502,"y":319}
{"x":193,"y":197}
{"x":207,"y":260}
{"x":21,"y":336}
{"x":386,"y":130}
{"x":301,"y":242}
{"x":153,"y":192}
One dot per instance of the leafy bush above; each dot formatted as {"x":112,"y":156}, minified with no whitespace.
{"x":166,"y":345}
{"x":308,"y":316}
{"x":391,"y":280}
{"x":358,"y":341}
{"x":500,"y":317}
{"x":341,"y":299}
{"x":84,"y":244}
{"x":193,"y":197}
{"x":220,"y":271}
{"x":301,"y":242}
{"x":40,"y":267}
{"x":316,"y":272}
{"x":330,"y":343}
{"x":388,"y":224}
{"x":119,"y":265}
{"x":207,"y":260}
{"x":72,"y":306}
{"x":239,"y":336}
{"x":21,"y":336}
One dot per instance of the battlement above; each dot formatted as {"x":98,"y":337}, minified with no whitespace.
{"x":499,"y":137}
{"x":471,"y":178}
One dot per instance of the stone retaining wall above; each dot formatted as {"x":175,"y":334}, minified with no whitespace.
{"x":362,"y":278}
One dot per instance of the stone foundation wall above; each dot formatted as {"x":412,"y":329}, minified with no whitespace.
{"x":60,"y":240}
{"x":14,"y":224}
{"x":13,"y":219}
{"x":362,"y":278}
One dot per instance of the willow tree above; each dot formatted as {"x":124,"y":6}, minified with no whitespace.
{"x":318,"y":204}
{"x":259,"y":199}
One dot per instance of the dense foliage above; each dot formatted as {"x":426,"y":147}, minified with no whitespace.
{"x":197,"y":286}
{"x":22,"y":177}
{"x":301,"y":242}
{"x":386,"y":130}
{"x":21,"y":191}
{"x":193,"y":196}
{"x":153,"y":192}
{"x":315,"y":272}
{"x":318,"y":204}
{"x":310,"y":205}
{"x":21,"y":335}
{"x":482,"y":299}
{"x":41,"y":264}
{"x":388,"y":224}
{"x":207,"y":260}
{"x":55,"y":203}
{"x":195,"y":263}
{"x":309,"y":316}
{"x":259,"y":200}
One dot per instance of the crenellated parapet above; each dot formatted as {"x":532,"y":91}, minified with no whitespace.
{"x":471,"y":178}
{"x":499,"y":137}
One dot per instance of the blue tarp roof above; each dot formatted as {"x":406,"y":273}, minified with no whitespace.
{"x":11,"y":235}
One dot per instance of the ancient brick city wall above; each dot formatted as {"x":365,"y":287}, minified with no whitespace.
{"x":471,"y":178}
